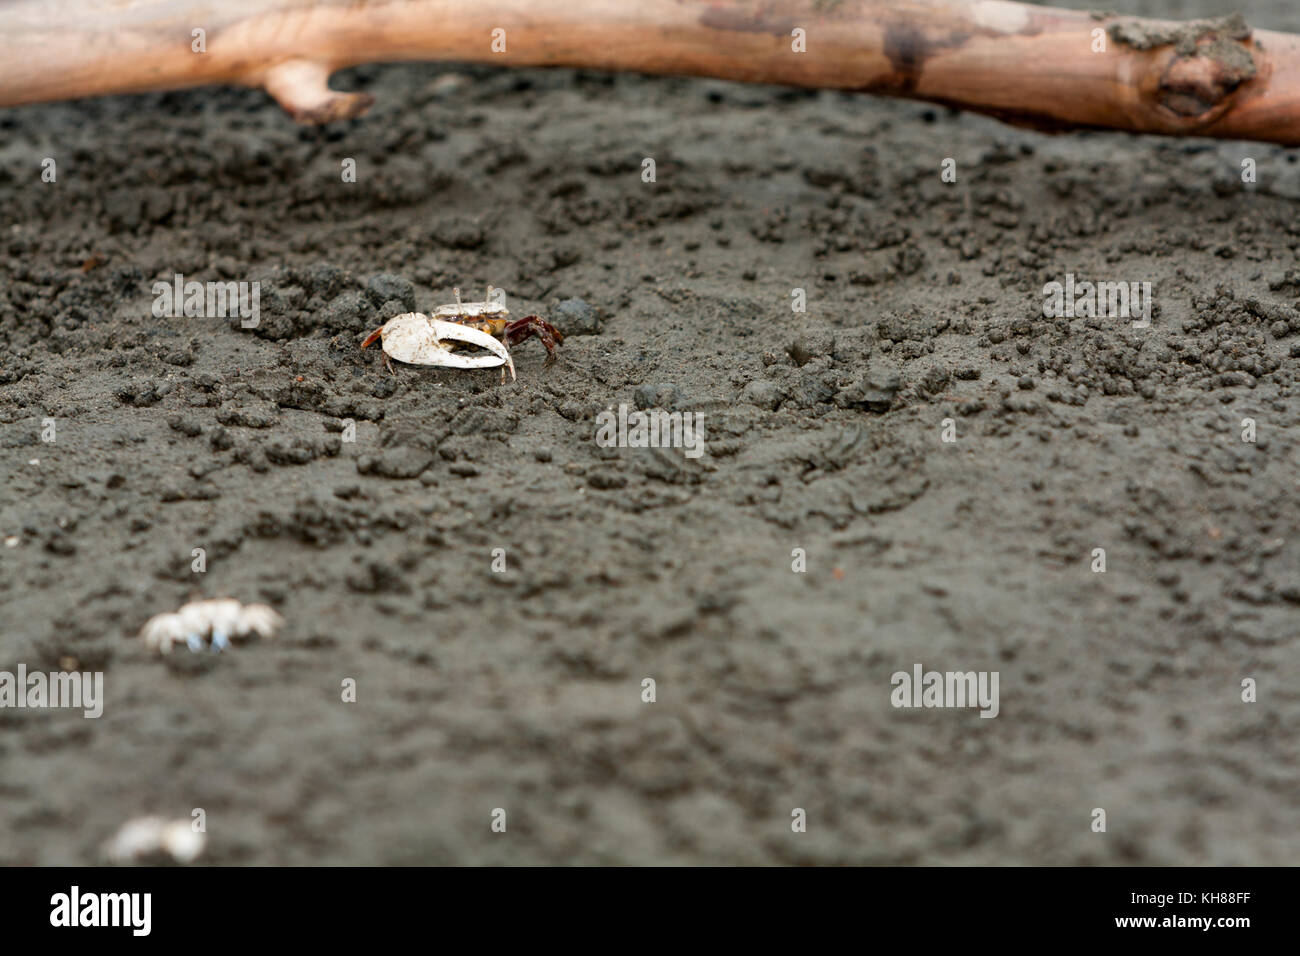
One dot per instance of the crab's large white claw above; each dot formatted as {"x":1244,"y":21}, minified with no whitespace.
{"x":463,"y":333}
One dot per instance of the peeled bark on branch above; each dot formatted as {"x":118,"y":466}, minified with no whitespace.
{"x":1029,"y":65}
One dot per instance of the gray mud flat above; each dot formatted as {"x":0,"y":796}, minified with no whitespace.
{"x":522,"y":689}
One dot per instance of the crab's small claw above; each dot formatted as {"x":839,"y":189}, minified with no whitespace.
{"x":464,"y":333}
{"x":372,"y":338}
{"x":194,"y":642}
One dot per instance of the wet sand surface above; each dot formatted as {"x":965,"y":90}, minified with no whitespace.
{"x":522,"y":689}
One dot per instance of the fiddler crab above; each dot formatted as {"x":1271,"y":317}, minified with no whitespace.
{"x":419,"y":339}
{"x":209,"y":623}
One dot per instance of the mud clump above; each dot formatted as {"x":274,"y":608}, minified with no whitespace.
{"x":1185,"y":37}
{"x":1213,"y":59}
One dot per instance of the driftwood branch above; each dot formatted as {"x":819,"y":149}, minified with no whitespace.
{"x":1030,"y":65}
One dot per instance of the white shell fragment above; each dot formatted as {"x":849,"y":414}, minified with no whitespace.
{"x":416,"y":339}
{"x":209,"y":624}
{"x":153,"y":836}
